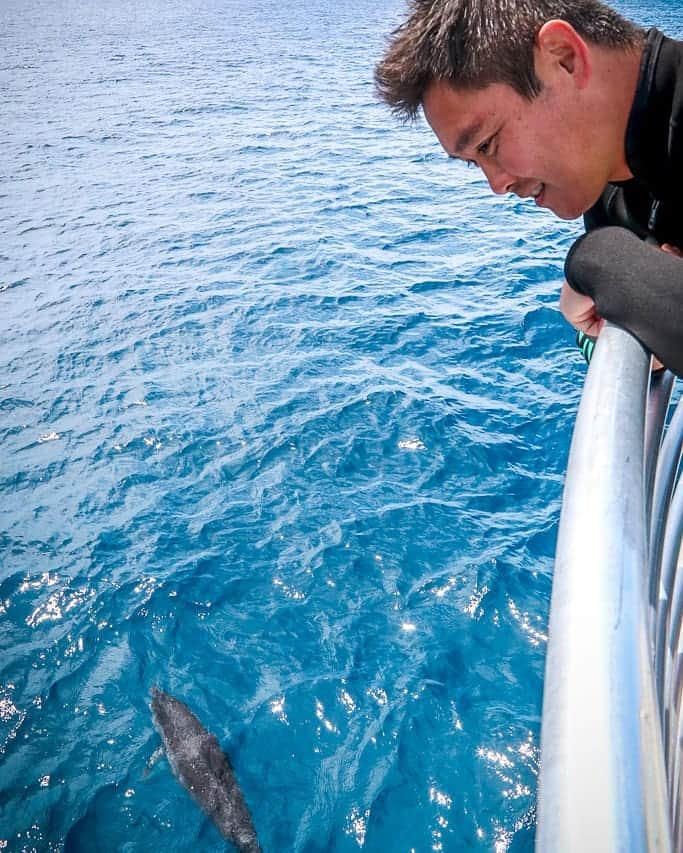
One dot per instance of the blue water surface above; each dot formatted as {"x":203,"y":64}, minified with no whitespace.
{"x":285,"y":407}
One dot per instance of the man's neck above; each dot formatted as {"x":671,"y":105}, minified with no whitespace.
{"x":616,"y":73}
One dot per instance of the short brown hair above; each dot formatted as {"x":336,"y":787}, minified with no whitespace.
{"x":473,"y":43}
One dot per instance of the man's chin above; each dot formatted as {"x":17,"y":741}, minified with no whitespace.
{"x":569,"y":209}
{"x":566,"y":211}
{"x":568,"y":217}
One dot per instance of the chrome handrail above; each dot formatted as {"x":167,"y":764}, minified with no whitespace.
{"x":611,"y":728}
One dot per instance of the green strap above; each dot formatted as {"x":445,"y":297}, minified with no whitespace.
{"x":586,"y":344}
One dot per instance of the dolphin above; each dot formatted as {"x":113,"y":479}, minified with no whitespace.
{"x":204,"y":769}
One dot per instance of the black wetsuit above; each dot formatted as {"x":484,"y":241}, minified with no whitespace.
{"x":633,"y":282}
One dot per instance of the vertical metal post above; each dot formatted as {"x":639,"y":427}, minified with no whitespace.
{"x":602,"y":783}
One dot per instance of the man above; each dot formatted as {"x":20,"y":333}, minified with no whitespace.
{"x":568,"y":103}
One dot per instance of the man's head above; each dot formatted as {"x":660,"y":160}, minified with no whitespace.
{"x":473,"y":43}
{"x":535,"y":92}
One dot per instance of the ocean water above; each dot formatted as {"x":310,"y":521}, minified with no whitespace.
{"x":285,"y":407}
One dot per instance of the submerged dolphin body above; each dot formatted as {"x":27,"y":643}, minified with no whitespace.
{"x":204,"y":769}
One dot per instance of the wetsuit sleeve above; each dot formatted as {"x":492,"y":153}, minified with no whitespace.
{"x":635,"y":285}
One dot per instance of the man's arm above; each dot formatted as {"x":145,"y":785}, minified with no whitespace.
{"x":613,"y":275}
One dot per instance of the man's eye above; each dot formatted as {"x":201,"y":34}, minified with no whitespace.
{"x":485,"y":147}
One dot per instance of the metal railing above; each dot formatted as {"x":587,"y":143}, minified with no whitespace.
{"x":612,"y":725}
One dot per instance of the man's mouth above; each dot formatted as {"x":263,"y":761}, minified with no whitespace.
{"x":534,"y":191}
{"x":537,"y":193}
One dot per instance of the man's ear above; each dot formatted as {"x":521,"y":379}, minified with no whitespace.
{"x":559,"y":45}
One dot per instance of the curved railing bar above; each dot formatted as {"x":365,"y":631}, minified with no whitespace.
{"x":602,"y":782}
{"x":675,"y":789}
{"x":659,"y":397}
{"x":662,"y":566}
{"x":672,"y":607}
{"x":672,"y":662}
{"x":667,"y":468}
{"x":661,"y":388}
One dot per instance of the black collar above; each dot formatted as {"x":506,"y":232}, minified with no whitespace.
{"x":653,"y":143}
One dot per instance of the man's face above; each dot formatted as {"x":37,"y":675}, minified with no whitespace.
{"x":545,"y":148}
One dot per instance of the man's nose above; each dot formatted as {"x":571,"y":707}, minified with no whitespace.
{"x":500,"y":181}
